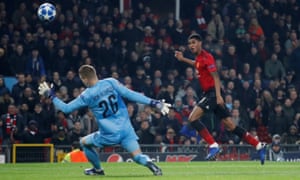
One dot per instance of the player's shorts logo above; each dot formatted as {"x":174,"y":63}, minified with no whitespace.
{"x":114,"y":158}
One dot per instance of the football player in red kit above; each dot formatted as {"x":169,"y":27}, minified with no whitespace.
{"x":212,"y":99}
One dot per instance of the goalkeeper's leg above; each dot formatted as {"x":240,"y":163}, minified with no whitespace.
{"x":133,"y":147}
{"x":89,"y":151}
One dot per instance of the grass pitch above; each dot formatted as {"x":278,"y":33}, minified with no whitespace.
{"x":218,"y":170}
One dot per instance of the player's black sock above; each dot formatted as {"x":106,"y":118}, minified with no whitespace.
{"x":198,"y":125}
{"x":239,"y":131}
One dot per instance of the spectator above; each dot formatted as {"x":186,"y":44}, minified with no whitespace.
{"x":61,"y":62}
{"x":18,"y":88}
{"x":169,"y":139}
{"x":146,"y":133}
{"x":169,"y":94}
{"x":275,"y":151}
{"x":255,"y":30}
{"x":3,"y":88}
{"x":173,"y":121}
{"x":11,"y":123}
{"x":231,"y":59}
{"x":215,"y":28}
{"x":294,"y":63}
{"x":90,"y":124}
{"x":190,"y":136}
{"x":5,"y":101}
{"x":77,"y":132}
{"x":147,"y":64}
{"x":257,"y":88}
{"x":245,"y":95}
{"x":132,"y":112}
{"x":108,"y":53}
{"x":32,"y":135}
{"x":278,"y":122}
{"x":73,"y":118}
{"x":49,"y":56}
{"x":56,"y":80}
{"x":30,"y":98}
{"x":148,"y":87}
{"x":35,"y":65}
{"x":22,"y":11}
{"x":292,"y":136}
{"x":293,"y":95}
{"x":228,"y":100}
{"x":43,"y":120}
{"x":243,"y":113}
{"x":74,"y":57}
{"x":289,"y":111}
{"x":291,"y":42}
{"x":24,"y":112}
{"x":253,"y":59}
{"x":139,"y":79}
{"x":199,"y":22}
{"x":246,"y":72}
{"x":128,"y":82}
{"x":236,"y":79}
{"x":60,"y":139}
{"x":18,"y":60}
{"x":71,"y":82}
{"x":263,"y":51}
{"x":179,"y":36}
{"x":61,"y":120}
{"x":274,"y":68}
{"x":240,"y":30}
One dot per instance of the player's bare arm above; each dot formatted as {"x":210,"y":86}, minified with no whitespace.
{"x":179,"y":56}
{"x":216,"y":77}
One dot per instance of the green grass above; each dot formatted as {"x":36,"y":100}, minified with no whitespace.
{"x":172,"y":171}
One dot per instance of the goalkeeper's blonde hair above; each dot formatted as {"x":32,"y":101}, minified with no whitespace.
{"x":87,"y":71}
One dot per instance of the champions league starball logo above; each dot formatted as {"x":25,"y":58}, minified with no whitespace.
{"x":114,"y":158}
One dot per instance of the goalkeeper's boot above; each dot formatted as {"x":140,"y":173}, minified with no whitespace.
{"x":155,"y":169}
{"x":262,"y":153}
{"x":213,"y":152}
{"x":94,"y":172}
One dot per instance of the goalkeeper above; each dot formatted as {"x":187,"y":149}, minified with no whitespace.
{"x":104,"y":98}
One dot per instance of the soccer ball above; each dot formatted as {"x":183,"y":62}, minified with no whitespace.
{"x":46,"y":12}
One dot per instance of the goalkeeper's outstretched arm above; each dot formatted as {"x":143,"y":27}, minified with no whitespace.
{"x":77,"y":103}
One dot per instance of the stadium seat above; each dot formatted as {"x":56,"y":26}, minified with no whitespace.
{"x":9,"y":82}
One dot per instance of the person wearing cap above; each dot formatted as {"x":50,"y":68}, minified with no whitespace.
{"x":275,"y":151}
{"x":212,"y":99}
{"x":31,"y":135}
{"x":148,"y":65}
{"x":293,"y":136}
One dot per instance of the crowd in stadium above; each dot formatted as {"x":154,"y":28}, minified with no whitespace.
{"x":255,"y":44}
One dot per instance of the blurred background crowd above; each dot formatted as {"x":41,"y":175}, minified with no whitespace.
{"x":255,"y":44}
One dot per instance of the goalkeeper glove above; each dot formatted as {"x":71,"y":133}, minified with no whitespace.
{"x":46,"y":91}
{"x":161,"y":105}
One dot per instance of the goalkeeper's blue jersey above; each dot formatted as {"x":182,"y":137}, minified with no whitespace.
{"x":105,"y":101}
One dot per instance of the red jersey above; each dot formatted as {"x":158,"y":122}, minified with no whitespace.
{"x":205,"y":64}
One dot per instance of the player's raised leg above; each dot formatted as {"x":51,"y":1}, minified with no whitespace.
{"x":133,"y":147}
{"x":246,"y":136}
{"x":88,"y":149}
{"x":196,"y":123}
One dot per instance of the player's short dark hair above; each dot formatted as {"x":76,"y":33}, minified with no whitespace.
{"x":195,"y":36}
